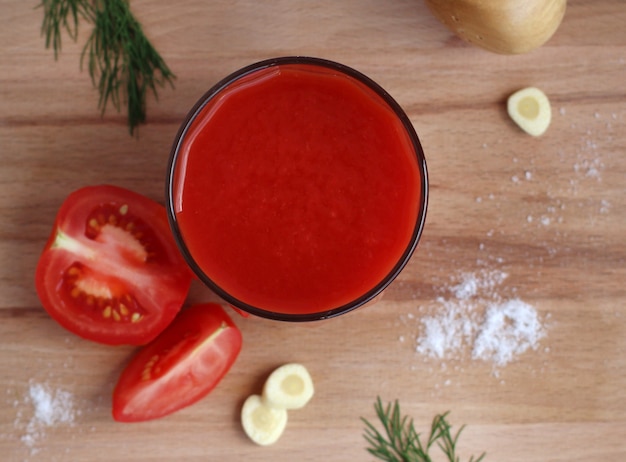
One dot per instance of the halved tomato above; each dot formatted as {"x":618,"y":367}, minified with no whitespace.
{"x":181,"y":366}
{"x":110,"y":271}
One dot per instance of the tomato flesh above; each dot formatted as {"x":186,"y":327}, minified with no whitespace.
{"x":180,"y":367}
{"x":111,"y":271}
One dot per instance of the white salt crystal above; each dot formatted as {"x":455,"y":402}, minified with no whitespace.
{"x":466,"y":288}
{"x":473,"y":283}
{"x":479,"y":322}
{"x":50,"y":408}
{"x":509,"y":329}
{"x":445,"y":333}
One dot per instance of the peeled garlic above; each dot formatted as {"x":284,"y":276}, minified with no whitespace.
{"x":530,"y":109}
{"x":263,"y":424}
{"x":288,"y":387}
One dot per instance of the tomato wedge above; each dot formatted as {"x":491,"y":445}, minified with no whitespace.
{"x":110,"y":271}
{"x":181,"y":366}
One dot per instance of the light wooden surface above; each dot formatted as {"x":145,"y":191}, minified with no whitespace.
{"x":550,"y":212}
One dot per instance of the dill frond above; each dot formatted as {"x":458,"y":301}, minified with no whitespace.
{"x":122,"y":63}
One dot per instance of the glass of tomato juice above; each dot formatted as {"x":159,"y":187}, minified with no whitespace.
{"x":297,"y":189}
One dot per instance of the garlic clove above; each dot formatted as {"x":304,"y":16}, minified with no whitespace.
{"x":530,"y":109}
{"x":288,"y":387}
{"x":263,"y":425}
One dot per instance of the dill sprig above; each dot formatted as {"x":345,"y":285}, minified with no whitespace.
{"x":399,"y":441}
{"x":122,"y":62}
{"x":62,"y":15}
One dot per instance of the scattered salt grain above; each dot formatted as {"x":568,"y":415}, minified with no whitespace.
{"x":477,"y":322}
{"x":445,"y":334}
{"x":508,"y":330}
{"x":50,"y":407}
{"x":473,"y":283}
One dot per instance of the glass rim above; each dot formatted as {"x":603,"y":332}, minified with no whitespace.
{"x":171,"y":174}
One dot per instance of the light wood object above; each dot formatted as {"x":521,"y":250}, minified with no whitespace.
{"x":505,"y":26}
{"x":548,"y":211}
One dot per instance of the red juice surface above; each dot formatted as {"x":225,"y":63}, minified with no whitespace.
{"x":297,"y":189}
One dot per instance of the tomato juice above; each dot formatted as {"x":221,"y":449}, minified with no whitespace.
{"x":297,"y":189}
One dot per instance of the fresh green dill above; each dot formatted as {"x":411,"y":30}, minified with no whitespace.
{"x":399,"y":441}
{"x":122,"y":62}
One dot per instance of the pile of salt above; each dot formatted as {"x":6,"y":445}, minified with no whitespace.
{"x":479,"y":322}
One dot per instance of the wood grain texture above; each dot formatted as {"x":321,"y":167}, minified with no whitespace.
{"x":550,"y":212}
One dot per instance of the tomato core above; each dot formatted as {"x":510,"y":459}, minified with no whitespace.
{"x":107,"y":302}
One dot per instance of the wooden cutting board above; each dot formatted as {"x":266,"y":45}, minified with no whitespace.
{"x":537,"y":222}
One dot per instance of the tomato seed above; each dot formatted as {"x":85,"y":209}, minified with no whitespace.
{"x":146,"y":374}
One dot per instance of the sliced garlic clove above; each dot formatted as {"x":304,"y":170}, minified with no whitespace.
{"x":263,"y":424}
{"x":288,"y":387}
{"x":530,"y":109}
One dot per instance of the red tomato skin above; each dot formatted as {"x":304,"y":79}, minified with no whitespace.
{"x":242,"y":313}
{"x":158,"y":286}
{"x":180,"y":367}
